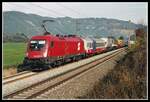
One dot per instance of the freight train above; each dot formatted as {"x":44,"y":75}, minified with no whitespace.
{"x":48,"y":51}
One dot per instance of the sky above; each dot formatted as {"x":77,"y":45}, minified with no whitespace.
{"x":137,"y":12}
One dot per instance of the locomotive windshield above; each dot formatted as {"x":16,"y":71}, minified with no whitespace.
{"x":37,"y":44}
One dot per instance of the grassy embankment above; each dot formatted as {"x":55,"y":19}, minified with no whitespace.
{"x":128,"y":80}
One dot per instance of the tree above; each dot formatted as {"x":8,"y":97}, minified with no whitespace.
{"x":140,"y":32}
{"x":121,"y":38}
{"x":141,"y":35}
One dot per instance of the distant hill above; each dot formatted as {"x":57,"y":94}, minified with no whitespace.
{"x":30,"y":24}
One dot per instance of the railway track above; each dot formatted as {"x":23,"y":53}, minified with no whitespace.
{"x":50,"y":83}
{"x":21,"y":75}
{"x":16,"y":77}
{"x":17,"y":74}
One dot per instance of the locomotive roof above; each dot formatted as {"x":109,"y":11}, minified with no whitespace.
{"x":47,"y":37}
{"x":41,"y":36}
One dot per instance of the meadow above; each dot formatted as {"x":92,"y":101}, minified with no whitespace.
{"x":13,"y":54}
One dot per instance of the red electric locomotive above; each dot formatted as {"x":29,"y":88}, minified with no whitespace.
{"x":49,"y":50}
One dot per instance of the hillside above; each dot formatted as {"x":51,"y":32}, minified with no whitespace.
{"x":30,"y":24}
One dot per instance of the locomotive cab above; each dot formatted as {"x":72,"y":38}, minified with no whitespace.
{"x":36,"y":54}
{"x":37,"y":49}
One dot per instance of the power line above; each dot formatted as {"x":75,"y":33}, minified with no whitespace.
{"x":77,"y":23}
{"x":53,"y":12}
{"x":39,"y":23}
{"x":34,"y":8}
{"x":49,"y":10}
{"x":72,"y":10}
{"x":68,"y":8}
{"x":45,"y":10}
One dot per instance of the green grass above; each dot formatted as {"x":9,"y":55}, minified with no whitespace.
{"x":13,"y":54}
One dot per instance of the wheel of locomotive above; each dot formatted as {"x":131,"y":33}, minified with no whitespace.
{"x":59,"y":63}
{"x":56,"y":64}
{"x":77,"y":58}
{"x":49,"y":66}
{"x":63,"y":62}
{"x":80,"y":57}
{"x":53,"y":65}
{"x":46,"y":67}
{"x":83,"y":56}
{"x":73,"y":59}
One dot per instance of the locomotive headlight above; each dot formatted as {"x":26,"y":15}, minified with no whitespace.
{"x":45,"y":54}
